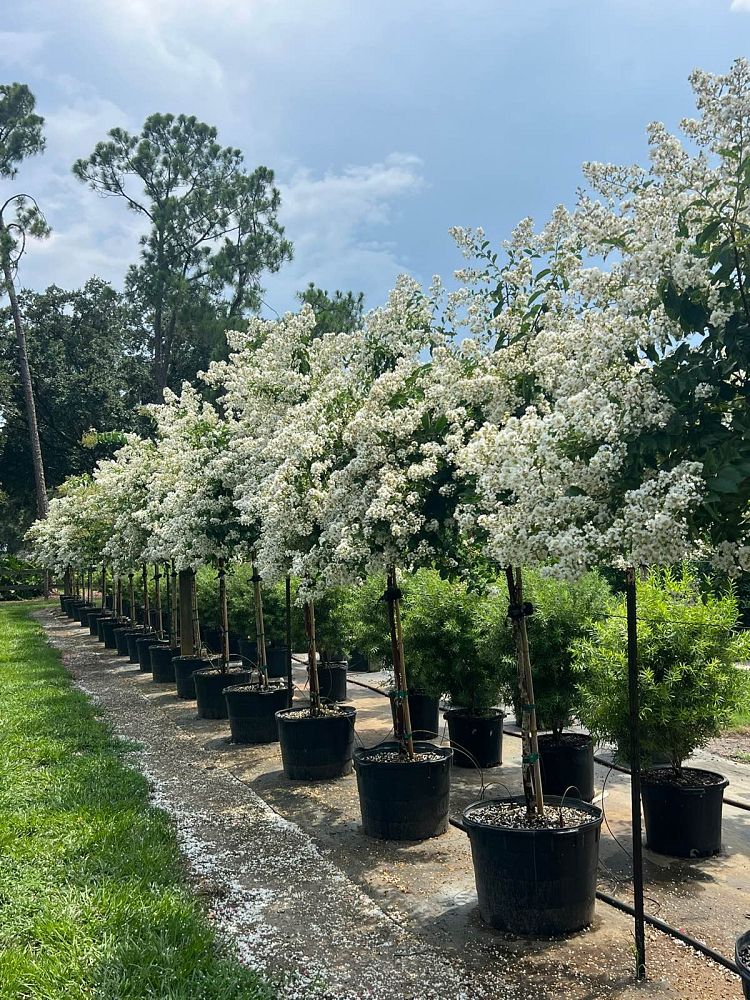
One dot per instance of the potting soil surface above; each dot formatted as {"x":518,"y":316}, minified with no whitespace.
{"x":288,"y":875}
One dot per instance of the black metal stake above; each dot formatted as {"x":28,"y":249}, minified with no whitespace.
{"x":289,"y":680}
{"x":635,"y":774}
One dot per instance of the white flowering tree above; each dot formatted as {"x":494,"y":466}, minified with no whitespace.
{"x":190,"y":512}
{"x":676,"y":238}
{"x":125,"y":481}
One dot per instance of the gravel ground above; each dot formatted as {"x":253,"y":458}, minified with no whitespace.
{"x":298,"y":912}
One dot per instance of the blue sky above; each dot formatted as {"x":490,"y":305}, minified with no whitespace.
{"x":386,"y":121}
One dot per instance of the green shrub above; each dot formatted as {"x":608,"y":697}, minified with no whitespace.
{"x":364,"y":620}
{"x":687,"y":651}
{"x":447,"y":646}
{"x":563,"y":613}
{"x":241,"y":605}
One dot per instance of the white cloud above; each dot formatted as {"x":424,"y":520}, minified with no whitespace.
{"x":332,"y":220}
{"x":19,"y":48}
{"x":740,"y":5}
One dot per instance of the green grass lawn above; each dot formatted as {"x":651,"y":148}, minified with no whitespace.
{"x":93,"y":901}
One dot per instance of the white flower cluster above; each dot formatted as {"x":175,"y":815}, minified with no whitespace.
{"x":511,"y":414}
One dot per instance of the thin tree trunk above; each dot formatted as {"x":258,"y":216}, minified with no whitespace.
{"x":403,"y":714}
{"x":224,"y":614}
{"x":175,"y":629}
{"x":104,"y":586}
{"x":42,"y":504}
{"x":288,"y":622}
{"x":131,"y":597}
{"x":157,"y":599}
{"x":635,"y":772}
{"x":146,"y":603}
{"x":532,"y":774}
{"x":260,"y":628}
{"x":312,"y":658}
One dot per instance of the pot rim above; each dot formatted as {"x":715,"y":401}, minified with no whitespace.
{"x":743,"y":965}
{"x":721,"y":779}
{"x":361,"y":755}
{"x":587,"y":739}
{"x":491,"y":713}
{"x":347,"y":712}
{"x":552,"y":800}
{"x":241,"y":689}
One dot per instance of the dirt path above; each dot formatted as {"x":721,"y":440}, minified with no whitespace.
{"x":288,"y":875}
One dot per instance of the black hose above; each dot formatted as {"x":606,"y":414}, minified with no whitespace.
{"x":660,"y":925}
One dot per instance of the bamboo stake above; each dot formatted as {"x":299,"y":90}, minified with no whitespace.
{"x":288,"y":609}
{"x":131,"y":598}
{"x":312,"y":658}
{"x":104,"y":586}
{"x":175,"y":629}
{"x":403,"y":714}
{"x":224,"y":617}
{"x":260,"y":631}
{"x":157,"y":600}
{"x":90,"y":594}
{"x":196,"y":621}
{"x":146,"y":603}
{"x":532,"y":775}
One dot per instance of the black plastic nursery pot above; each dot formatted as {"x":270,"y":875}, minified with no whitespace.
{"x":100,"y":625}
{"x":134,"y":634}
{"x":63,"y":598}
{"x":424,"y":712}
{"x":82,"y":613}
{"x":210,"y":683}
{"x":143,"y":645}
{"x":252,"y":712}
{"x":332,"y":681}
{"x":358,"y":661}
{"x":73,"y":607}
{"x":477,"y":740}
{"x":184,"y":668}
{"x":121,"y":639}
{"x":248,"y":650}
{"x":316,"y":748}
{"x":211,"y":637}
{"x":92,"y":618}
{"x":404,"y":799}
{"x":162,"y":667}
{"x":567,"y":765}
{"x":108,"y":630}
{"x":742,"y":958}
{"x":276,"y":661}
{"x":65,"y":603}
{"x":683,"y":816}
{"x":537,"y":883}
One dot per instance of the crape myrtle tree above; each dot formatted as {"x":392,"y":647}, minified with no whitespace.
{"x":678,"y":235}
{"x":20,"y":217}
{"x":190,"y":512}
{"x":266,"y":377}
{"x":212,"y":230}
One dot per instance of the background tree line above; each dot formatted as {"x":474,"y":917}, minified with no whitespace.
{"x":88,"y":358}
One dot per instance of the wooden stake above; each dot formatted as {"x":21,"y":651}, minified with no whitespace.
{"x":175,"y":625}
{"x":260,"y":631}
{"x":224,"y":610}
{"x":187,"y":631}
{"x":131,"y":599}
{"x":146,"y":603}
{"x":104,"y":586}
{"x":532,"y":774}
{"x":403,"y":714}
{"x":288,"y":609}
{"x":157,"y":599}
{"x":312,"y":658}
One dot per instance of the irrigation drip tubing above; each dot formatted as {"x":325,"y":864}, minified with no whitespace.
{"x":666,"y":928}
